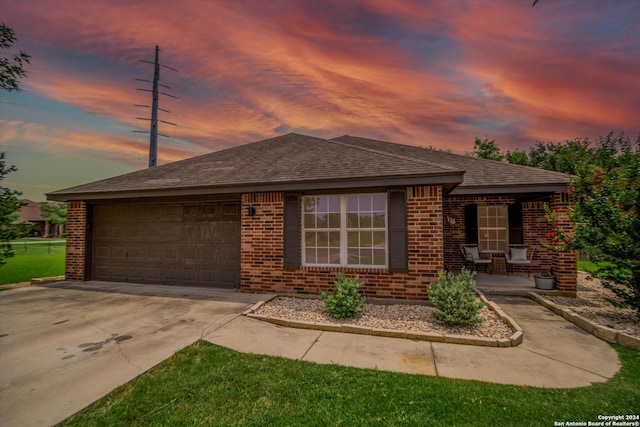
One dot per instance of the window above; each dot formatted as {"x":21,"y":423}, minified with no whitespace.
{"x":345,"y":230}
{"x":493,"y":227}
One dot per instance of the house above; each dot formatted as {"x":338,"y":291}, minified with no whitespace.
{"x":287,"y":213}
{"x":29,"y":214}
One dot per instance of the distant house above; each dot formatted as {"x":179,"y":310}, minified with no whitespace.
{"x":287,"y":213}
{"x":29,"y":214}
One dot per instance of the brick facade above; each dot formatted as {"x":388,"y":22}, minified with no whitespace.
{"x":262,"y":247}
{"x":432,"y":224}
{"x":76,"y":240}
{"x":564,"y":263}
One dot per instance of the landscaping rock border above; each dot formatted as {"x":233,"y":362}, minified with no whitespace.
{"x":604,"y":333}
{"x":514,"y":340}
{"x":44,"y":280}
{"x":35,"y":281}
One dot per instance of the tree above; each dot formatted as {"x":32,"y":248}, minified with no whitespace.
{"x":517,"y":157}
{"x":9,"y":204}
{"x":11,"y":69}
{"x":606,"y":193}
{"x":487,"y":149}
{"x":562,"y":156}
{"x":56,"y":214}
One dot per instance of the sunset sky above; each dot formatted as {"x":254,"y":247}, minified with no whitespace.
{"x":420,"y":72}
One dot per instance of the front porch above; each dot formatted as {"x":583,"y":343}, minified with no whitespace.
{"x":513,"y":284}
{"x":496,"y":224}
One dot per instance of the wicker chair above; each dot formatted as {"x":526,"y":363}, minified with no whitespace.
{"x":472,"y":256}
{"x":519,"y":255}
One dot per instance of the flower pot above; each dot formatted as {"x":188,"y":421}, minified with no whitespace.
{"x":544,"y":282}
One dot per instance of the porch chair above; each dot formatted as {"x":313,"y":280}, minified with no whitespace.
{"x":471,"y":255}
{"x":519,"y":255}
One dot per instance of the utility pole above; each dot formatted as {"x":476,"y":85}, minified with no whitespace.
{"x":155,"y":93}
{"x":153,"y":132}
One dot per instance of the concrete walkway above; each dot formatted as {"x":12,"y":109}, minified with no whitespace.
{"x":555,"y":353}
{"x":513,"y":284}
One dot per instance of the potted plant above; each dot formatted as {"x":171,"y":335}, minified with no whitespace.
{"x":544,"y":280}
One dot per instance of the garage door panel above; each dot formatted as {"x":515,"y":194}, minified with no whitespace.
{"x":134,"y":233}
{"x":230,"y":210}
{"x":154,"y":252}
{"x":135,"y":253}
{"x":170,"y":254}
{"x":120,"y":232}
{"x":162,"y":232}
{"x":194,"y":244}
{"x":112,"y":214}
{"x":164,"y":213}
{"x":101,"y":232}
{"x":111,"y":252}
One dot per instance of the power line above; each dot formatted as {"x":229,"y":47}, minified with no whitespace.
{"x":155,"y":93}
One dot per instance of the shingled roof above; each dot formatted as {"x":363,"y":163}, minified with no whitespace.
{"x":295,"y":162}
{"x":291,"y":162}
{"x":481,"y":176}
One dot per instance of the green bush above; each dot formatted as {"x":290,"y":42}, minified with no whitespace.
{"x":454,"y":298}
{"x":346,"y":301}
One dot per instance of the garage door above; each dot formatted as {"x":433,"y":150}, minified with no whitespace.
{"x":173,"y":244}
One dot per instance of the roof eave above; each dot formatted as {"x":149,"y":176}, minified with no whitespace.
{"x":447,"y":180}
{"x":509,"y":189}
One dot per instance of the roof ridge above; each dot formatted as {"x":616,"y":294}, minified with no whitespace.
{"x":479,"y":159}
{"x":388,"y":154}
{"x":462,"y":156}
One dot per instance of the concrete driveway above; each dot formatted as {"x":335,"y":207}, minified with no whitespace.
{"x":65,"y":345}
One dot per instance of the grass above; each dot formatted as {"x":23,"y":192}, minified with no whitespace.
{"x":587,"y":266}
{"x":592,"y":267}
{"x":38,"y":239}
{"x":33,"y":260}
{"x":209,"y":385}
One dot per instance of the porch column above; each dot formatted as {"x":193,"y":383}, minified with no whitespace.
{"x":564,"y":263}
{"x":76,"y":240}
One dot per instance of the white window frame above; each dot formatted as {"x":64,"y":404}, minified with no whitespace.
{"x":482,"y":243}
{"x":344,"y":230}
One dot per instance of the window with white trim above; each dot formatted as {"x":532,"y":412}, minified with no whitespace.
{"x":345,"y":230}
{"x":493,"y":227}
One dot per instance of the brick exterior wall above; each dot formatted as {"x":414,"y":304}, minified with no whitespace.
{"x":262,"y":247}
{"x":564,"y":263}
{"x":536,"y":230}
{"x":432,"y":223}
{"x":76,"y":240}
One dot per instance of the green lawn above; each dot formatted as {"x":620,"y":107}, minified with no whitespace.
{"x":586,"y":266}
{"x":209,"y":385}
{"x":33,"y":260}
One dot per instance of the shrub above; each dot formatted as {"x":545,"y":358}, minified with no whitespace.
{"x":346,"y":301}
{"x":454,"y":298}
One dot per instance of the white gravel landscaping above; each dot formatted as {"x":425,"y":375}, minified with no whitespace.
{"x":591,"y":303}
{"x":409,"y":317}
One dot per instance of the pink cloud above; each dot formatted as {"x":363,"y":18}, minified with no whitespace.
{"x":58,"y":142}
{"x":254,"y":70}
{"x":559,"y":81}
